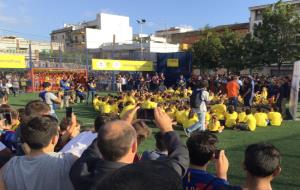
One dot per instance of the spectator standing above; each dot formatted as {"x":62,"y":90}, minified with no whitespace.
{"x":233,"y":88}
{"x":41,"y":168}
{"x":91,"y":90}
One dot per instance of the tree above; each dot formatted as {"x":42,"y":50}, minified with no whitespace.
{"x":277,"y":34}
{"x":206,"y":52}
{"x":231,"y":53}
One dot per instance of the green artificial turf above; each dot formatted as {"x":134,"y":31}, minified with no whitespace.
{"x":285,"y":138}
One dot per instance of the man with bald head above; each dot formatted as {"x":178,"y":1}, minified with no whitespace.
{"x":117,"y":143}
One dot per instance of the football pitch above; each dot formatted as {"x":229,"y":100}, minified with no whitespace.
{"x":286,"y":138}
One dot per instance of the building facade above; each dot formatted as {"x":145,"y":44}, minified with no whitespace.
{"x":106,"y":28}
{"x":186,"y":39}
{"x":256,"y":12}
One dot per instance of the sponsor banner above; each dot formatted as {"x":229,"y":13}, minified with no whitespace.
{"x":121,"y":65}
{"x":12,"y":62}
{"x":293,"y":104}
{"x":172,"y":63}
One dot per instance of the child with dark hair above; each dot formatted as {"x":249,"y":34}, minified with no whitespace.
{"x":231,"y":117}
{"x":161,"y":151}
{"x":275,"y":117}
{"x":250,"y":122}
{"x":203,"y":150}
{"x":262,"y":165}
{"x":261,"y":118}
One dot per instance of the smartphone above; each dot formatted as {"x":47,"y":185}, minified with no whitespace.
{"x":146,"y":114}
{"x":217,"y":153}
{"x":69,"y":111}
{"x":7,"y":117}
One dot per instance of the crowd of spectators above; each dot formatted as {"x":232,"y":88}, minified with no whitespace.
{"x":39,"y":152}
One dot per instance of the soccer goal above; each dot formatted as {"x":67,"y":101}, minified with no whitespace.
{"x":294,"y":97}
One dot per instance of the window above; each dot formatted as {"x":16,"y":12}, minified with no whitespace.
{"x":258,"y":15}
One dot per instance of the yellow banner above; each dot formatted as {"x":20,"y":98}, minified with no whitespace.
{"x":12,"y":61}
{"x":121,"y":65}
{"x":172,"y":63}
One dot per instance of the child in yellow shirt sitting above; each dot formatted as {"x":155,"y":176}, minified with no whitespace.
{"x":220,"y":110}
{"x":275,"y":117}
{"x":241,"y":116}
{"x":214,"y":125}
{"x":230,"y":117}
{"x":249,"y":124}
{"x":261,"y":118}
{"x":128,"y":106}
{"x":191,"y":120}
{"x":179,"y":115}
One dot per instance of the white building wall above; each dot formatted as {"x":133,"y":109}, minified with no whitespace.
{"x":112,"y":26}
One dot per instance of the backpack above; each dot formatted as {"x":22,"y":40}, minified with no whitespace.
{"x":196,"y":98}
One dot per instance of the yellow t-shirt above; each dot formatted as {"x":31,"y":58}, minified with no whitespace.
{"x":96,"y":103}
{"x":264,"y":94}
{"x":275,"y":119}
{"x":106,"y":108}
{"x":251,"y":122}
{"x":126,"y":109}
{"x":214,"y":126}
{"x":180,"y":116}
{"x":114,"y":109}
{"x":170,"y":91}
{"x":149,"y":105}
{"x":242,"y":117}
{"x":171,"y":113}
{"x":261,"y":119}
{"x":190,"y":122}
{"x":219,"y":110}
{"x":129,"y":99}
{"x":207,"y":117}
{"x":231,"y":119}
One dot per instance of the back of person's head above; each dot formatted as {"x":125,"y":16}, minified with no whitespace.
{"x":142,"y":131}
{"x":262,"y":160}
{"x":115,"y":139}
{"x":201,"y":146}
{"x":248,"y":111}
{"x":46,"y":84}
{"x":259,"y":109}
{"x":39,"y":131}
{"x":104,"y":119}
{"x":160,"y":142}
{"x":230,"y":109}
{"x":146,"y":175}
{"x":37,"y":108}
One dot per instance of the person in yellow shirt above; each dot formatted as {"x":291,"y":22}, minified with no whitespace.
{"x":128,"y":106}
{"x":264,"y":95}
{"x":230,"y":117}
{"x":261,"y":118}
{"x":207,"y":117}
{"x":170,"y":90}
{"x":106,"y":108}
{"x":96,"y":102}
{"x":215,"y":125}
{"x":149,"y":103}
{"x":249,"y":123}
{"x":189,"y":91}
{"x":114,"y":106}
{"x":219,"y":109}
{"x":275,"y":117}
{"x":103,"y":103}
{"x":241,"y":116}
{"x":191,"y":120}
{"x":170,"y":112}
{"x":179,"y":115}
{"x":129,"y":98}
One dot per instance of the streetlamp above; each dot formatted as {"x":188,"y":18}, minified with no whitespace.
{"x":141,"y":22}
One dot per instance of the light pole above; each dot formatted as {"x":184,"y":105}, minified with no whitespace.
{"x":141,"y":22}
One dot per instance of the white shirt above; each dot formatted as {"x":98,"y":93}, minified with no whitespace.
{"x":80,"y":143}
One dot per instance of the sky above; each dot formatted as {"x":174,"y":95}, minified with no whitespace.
{"x":35,"y":19}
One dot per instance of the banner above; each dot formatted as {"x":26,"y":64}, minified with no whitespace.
{"x":172,"y":63}
{"x":293,"y":104}
{"x":12,"y":62}
{"x":121,"y":65}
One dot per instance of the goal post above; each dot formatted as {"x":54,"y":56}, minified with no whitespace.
{"x":294,"y":96}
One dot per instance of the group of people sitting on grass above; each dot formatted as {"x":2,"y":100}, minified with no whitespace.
{"x":48,"y":154}
{"x":196,"y":109}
